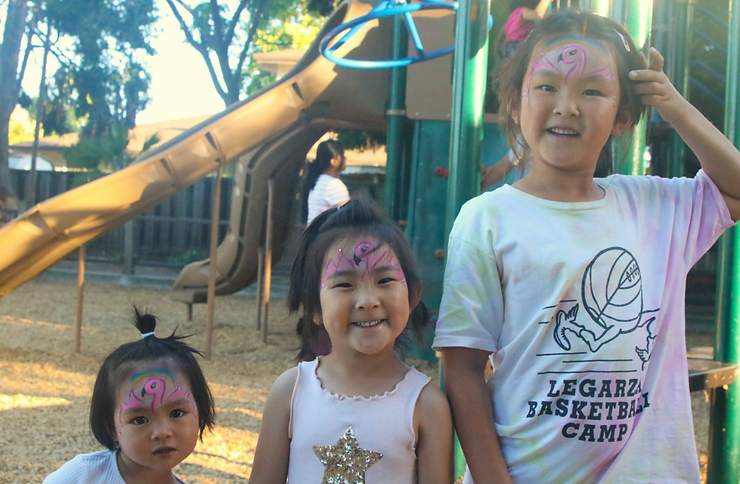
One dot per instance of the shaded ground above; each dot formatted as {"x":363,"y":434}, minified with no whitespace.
{"x":45,"y":387}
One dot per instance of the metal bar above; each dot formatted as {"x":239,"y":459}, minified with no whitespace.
{"x":468,"y":91}
{"x":268,"y":256}
{"x":681,"y":55}
{"x":396,"y":106}
{"x":470,"y":67}
{"x":211,"y":292}
{"x":80,"y":296}
{"x":638,"y":18}
{"x":724,"y":428}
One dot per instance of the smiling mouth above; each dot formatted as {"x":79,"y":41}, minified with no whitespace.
{"x":368,"y":324}
{"x":563,"y":132}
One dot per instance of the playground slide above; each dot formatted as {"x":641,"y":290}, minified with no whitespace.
{"x":269,"y":133}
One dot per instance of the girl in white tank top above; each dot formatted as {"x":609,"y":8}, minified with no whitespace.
{"x":353,"y":411}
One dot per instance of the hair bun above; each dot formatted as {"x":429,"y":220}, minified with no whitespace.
{"x":144,"y":322}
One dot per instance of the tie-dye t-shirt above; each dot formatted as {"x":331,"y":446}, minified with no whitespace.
{"x":582,"y":308}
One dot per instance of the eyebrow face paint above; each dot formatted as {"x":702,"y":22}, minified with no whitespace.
{"x":573,"y":57}
{"x":364,"y":253}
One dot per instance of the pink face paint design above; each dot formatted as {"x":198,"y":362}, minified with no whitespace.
{"x":131,"y":401}
{"x":153,"y":391}
{"x":342,"y":264}
{"x":574,"y":58}
{"x":180,"y":393}
{"x":367,"y":253}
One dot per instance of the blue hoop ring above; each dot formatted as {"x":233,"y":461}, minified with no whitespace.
{"x":385,"y":9}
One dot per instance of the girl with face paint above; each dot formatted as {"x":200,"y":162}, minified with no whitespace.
{"x":150,"y":405}
{"x":359,"y":413}
{"x":573,"y":286}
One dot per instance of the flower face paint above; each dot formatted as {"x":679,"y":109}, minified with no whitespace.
{"x":364,"y":297}
{"x":156,"y":420}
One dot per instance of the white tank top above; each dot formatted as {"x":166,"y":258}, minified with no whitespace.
{"x":352,"y":435}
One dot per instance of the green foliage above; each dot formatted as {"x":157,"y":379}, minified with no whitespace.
{"x":106,"y":152}
{"x":322,"y":7}
{"x":107,"y":82}
{"x":59,"y":114}
{"x":227,"y":33}
{"x":353,"y":139}
{"x":295,"y":32}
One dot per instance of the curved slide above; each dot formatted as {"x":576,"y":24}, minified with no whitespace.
{"x":268,"y":134}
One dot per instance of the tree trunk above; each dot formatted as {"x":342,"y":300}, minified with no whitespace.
{"x":15,"y":26}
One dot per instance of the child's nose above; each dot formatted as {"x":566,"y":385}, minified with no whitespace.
{"x":367,"y":298}
{"x":566,"y":106}
{"x":161,"y":430}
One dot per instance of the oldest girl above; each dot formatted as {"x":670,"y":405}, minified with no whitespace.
{"x":574,"y":286}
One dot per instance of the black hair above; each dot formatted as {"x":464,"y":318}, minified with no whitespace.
{"x":358,"y":217}
{"x":572,"y":22}
{"x":118,"y":365}
{"x":325,"y":152}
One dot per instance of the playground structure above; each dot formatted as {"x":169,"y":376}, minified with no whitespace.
{"x":434,"y":117}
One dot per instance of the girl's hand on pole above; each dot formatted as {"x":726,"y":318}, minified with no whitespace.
{"x":656,"y":90}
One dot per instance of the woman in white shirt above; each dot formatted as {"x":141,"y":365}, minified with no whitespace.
{"x":324,"y":189}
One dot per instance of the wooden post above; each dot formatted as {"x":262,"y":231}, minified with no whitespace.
{"x":260,"y":276}
{"x":80,"y":291}
{"x":211,"y":294}
{"x":268,"y":256}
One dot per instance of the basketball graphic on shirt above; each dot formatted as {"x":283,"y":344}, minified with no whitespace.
{"x":612,"y":289}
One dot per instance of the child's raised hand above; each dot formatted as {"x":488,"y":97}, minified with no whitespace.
{"x":656,"y":89}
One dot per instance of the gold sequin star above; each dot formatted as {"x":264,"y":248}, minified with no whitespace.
{"x":346,"y":462}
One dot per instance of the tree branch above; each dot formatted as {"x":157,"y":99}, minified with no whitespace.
{"x":229,"y":34}
{"x":199,"y":46}
{"x":255,"y":20}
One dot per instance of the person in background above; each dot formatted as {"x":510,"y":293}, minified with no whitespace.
{"x":522,"y":19}
{"x":322,"y":189}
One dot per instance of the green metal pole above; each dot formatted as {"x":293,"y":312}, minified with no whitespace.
{"x":602,"y":7}
{"x":466,"y":133}
{"x":468,"y":92}
{"x":681,"y":57}
{"x":396,"y":117}
{"x":637,"y":18}
{"x":724,"y":429}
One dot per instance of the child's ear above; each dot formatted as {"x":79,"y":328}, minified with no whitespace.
{"x":318,"y":320}
{"x":414,"y":299}
{"x":622,"y":123}
{"x":513,"y":110}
